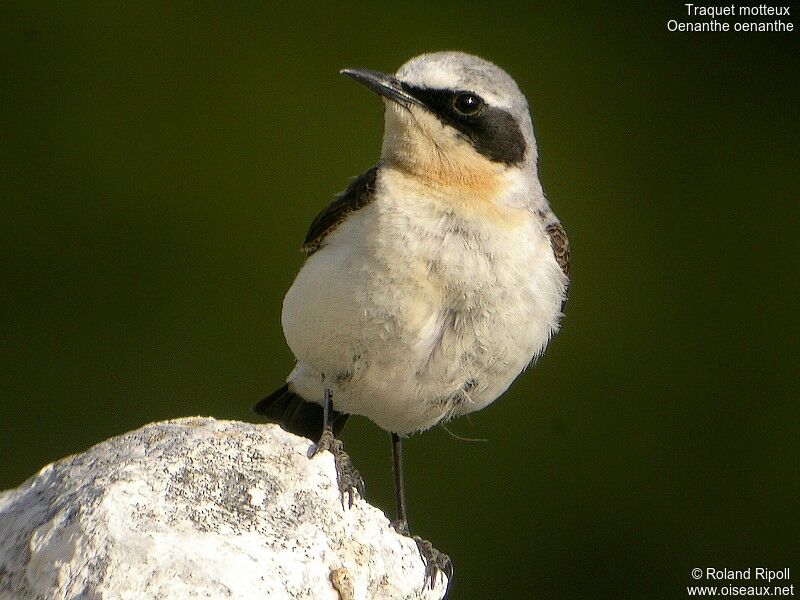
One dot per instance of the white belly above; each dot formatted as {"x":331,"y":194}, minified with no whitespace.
{"x":410,"y":317}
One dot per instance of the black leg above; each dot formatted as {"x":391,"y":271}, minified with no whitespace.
{"x":435,"y":561}
{"x":401,"y":524}
{"x":327,"y":413}
{"x":347,"y":476}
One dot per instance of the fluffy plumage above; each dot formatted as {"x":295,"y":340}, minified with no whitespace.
{"x":434,"y":281}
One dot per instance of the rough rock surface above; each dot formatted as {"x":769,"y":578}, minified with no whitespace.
{"x":199,"y":508}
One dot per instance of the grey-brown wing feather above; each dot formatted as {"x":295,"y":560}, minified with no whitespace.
{"x":356,"y":196}
{"x":560,"y":244}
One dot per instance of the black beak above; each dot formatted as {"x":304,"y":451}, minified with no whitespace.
{"x":383,"y":84}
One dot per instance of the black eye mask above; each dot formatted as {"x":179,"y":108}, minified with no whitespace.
{"x":492,"y":131}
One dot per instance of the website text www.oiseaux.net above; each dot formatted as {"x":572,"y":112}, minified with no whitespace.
{"x":745,"y":582}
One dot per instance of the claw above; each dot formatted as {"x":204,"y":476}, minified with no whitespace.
{"x":326,"y":442}
{"x":435,"y":562}
{"x":400,"y":527}
{"x":347,"y":476}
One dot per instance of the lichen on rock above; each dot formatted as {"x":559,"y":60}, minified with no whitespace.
{"x":199,"y":508}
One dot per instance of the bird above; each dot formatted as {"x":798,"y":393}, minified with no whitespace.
{"x":434,"y":280}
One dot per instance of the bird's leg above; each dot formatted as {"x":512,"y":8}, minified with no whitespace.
{"x":435,"y":561}
{"x":401,"y":523}
{"x":347,"y":476}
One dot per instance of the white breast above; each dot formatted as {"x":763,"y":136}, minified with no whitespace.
{"x":416,"y":310}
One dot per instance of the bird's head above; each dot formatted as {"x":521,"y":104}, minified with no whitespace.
{"x":454,"y":119}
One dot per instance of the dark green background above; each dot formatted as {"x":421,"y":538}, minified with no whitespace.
{"x":161,"y":163}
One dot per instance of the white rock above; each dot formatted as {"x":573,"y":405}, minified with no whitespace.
{"x":199,"y":508}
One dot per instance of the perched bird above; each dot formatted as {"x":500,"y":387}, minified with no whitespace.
{"x":435,"y":279}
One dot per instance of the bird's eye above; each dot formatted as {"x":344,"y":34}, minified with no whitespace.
{"x":467,"y":104}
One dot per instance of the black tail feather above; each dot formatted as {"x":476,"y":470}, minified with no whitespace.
{"x":296,"y":415}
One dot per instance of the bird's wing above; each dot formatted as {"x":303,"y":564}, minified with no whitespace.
{"x":357,"y":195}
{"x":560,"y":245}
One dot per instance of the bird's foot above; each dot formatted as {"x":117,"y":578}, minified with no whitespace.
{"x":401,"y":527}
{"x":435,"y":562}
{"x":347,"y":476}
